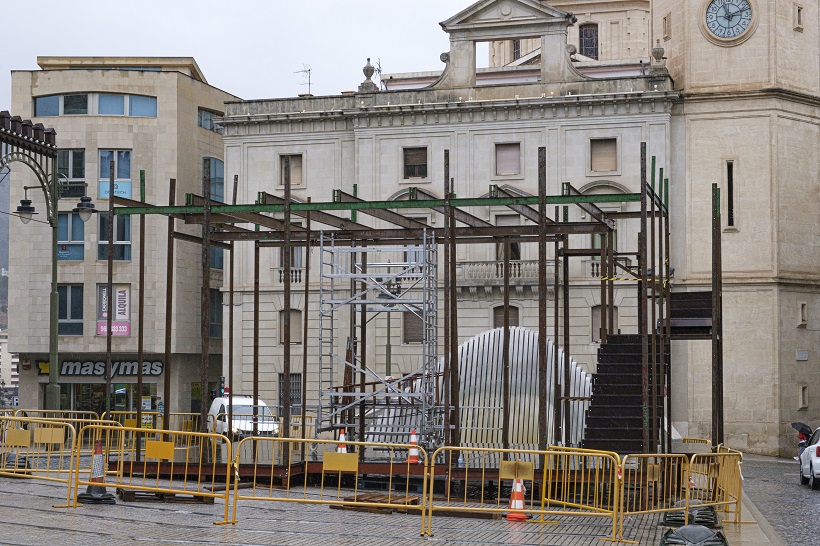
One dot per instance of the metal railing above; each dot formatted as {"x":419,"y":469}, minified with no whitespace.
{"x":339,"y":475}
{"x":170,"y":463}
{"x":572,"y":482}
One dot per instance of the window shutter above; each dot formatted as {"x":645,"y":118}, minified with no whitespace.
{"x":415,"y":156}
{"x":604,"y":155}
{"x":498,"y":316}
{"x":413,"y":327}
{"x":507,"y":159}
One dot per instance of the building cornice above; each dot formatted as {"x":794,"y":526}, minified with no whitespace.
{"x":757,"y":94}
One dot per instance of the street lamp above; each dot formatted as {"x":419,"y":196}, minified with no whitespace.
{"x":84,"y":209}
{"x":32,"y":144}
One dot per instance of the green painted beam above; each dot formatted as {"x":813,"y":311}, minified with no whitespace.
{"x":424,"y":204}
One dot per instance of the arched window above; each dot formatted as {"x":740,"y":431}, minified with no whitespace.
{"x":588,"y":38}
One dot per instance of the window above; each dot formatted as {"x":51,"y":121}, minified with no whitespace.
{"x":217,"y":170}
{"x":730,"y":194}
{"x":295,"y":162}
{"x":205,"y":119}
{"x":122,"y":173}
{"x":71,"y":172}
{"x":498,"y":316}
{"x":515,"y":247}
{"x":122,"y":164}
{"x":412,"y":328}
{"x":516,"y":50}
{"x":803,"y":403}
{"x":507,"y":159}
{"x":804,"y":314}
{"x":112,"y":105}
{"x":295,"y":392}
{"x":70,"y":309}
{"x":122,"y":237}
{"x":596,"y":323}
{"x":798,"y":17}
{"x":70,"y":236}
{"x":588,"y":38}
{"x":415,"y":162}
{"x":47,"y":106}
{"x":215,"y":314}
{"x":597,"y":237}
{"x":140,"y":106}
{"x":667,"y":26}
{"x":295,"y":327}
{"x":603,"y":153}
{"x":75,"y":105}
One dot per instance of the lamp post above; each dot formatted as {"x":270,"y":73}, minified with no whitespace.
{"x":36,"y":147}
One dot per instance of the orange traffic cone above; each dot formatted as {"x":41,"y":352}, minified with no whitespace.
{"x":342,"y":447}
{"x":96,"y":494}
{"x":413,"y":454}
{"x":517,"y":502}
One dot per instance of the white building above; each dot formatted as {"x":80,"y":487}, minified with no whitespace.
{"x":739,"y":106}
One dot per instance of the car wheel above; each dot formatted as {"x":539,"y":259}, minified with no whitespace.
{"x":813,"y":481}
{"x":803,"y":479}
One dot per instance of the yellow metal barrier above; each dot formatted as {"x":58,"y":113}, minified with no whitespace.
{"x":573,"y":482}
{"x":163,"y":462}
{"x":390,"y":463}
{"x":653,"y":483}
{"x":686,"y":440}
{"x":35,"y":449}
{"x":715,"y":479}
{"x":57,"y":414}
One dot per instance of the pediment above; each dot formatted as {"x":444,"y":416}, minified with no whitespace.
{"x":488,"y":14}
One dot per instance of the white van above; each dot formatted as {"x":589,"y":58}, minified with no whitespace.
{"x":242,"y":418}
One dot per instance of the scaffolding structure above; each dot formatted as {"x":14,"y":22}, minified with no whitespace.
{"x":368,"y":284}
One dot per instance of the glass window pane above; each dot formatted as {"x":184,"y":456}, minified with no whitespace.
{"x":142,"y":106}
{"x":113,"y":105}
{"x":103,"y":231}
{"x":106,"y":157}
{"x":62,"y":227}
{"x":62,"y":302}
{"x":124,"y":165}
{"x":77,"y":302}
{"x":123,"y":228}
{"x":77,"y":228}
{"x":47,"y":106}
{"x":62,"y":163}
{"x":75,"y":104}
{"x":78,"y":164}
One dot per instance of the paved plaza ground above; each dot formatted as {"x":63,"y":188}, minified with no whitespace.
{"x":28,"y":518}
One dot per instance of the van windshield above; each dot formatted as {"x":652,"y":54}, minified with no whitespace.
{"x":264,"y":411}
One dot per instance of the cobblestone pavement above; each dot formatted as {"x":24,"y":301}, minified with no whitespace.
{"x":773,"y":485}
{"x":28,"y":518}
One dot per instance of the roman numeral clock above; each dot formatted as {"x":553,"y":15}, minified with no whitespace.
{"x":728,"y":22}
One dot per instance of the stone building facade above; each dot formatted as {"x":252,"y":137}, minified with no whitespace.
{"x":147,"y":114}
{"x":738,"y":109}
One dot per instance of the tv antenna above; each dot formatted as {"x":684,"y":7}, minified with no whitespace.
{"x":305,"y":72}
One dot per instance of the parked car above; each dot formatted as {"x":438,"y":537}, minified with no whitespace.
{"x":242,"y":418}
{"x":810,"y":461}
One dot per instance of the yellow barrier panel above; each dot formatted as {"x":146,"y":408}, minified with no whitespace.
{"x":716,"y":480}
{"x":571,"y":482}
{"x":654,"y":483}
{"x":34,"y":449}
{"x":57,"y":414}
{"x":387,"y":463}
{"x":182,"y":463}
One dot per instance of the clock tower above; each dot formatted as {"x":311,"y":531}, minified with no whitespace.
{"x":749,"y":121}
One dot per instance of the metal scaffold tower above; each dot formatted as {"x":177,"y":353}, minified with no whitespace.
{"x":375,"y":401}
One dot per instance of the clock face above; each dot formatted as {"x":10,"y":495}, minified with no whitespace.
{"x":728,"y":19}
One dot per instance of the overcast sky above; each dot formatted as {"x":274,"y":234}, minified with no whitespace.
{"x":251,"y":48}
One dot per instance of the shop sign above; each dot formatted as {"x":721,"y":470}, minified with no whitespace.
{"x":93,"y":368}
{"x":121,"y":307}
